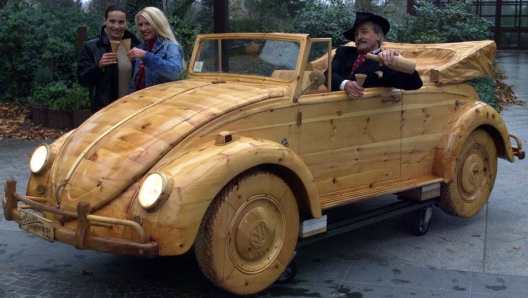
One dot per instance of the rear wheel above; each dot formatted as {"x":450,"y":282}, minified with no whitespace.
{"x":249,"y":233}
{"x":474,"y":178}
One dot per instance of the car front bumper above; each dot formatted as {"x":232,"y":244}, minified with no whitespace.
{"x":81,"y":237}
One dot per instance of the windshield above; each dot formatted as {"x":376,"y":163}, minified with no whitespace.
{"x":257,"y":57}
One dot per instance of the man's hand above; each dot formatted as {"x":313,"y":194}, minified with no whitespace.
{"x":353,"y":89}
{"x":387,"y":56}
{"x":107,"y":59}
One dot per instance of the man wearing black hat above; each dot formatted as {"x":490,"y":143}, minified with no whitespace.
{"x":368,"y":33}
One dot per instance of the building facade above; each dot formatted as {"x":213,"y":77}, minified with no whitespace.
{"x":509,"y":19}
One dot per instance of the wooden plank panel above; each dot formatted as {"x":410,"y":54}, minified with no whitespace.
{"x":352,"y":160}
{"x":373,"y":176}
{"x":418,"y":155}
{"x":338,"y":133}
{"x":351,"y":143}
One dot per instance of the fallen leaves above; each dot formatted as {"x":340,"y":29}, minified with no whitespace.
{"x":503,"y":91}
{"x":15,"y":122}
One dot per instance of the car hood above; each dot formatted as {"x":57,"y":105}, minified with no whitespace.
{"x":120,"y":143}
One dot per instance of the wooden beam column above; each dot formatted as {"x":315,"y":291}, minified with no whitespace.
{"x":221,"y":16}
{"x":221,"y":25}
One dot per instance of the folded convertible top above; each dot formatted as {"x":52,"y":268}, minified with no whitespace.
{"x":443,"y":63}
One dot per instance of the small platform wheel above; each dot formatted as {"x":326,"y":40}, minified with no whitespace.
{"x":419,"y":223}
{"x":288,"y":274}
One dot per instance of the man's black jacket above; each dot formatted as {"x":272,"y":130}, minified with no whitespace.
{"x":103,"y":84}
{"x":377,"y":76}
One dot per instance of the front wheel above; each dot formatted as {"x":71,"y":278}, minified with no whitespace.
{"x":249,"y":233}
{"x":474,"y":178}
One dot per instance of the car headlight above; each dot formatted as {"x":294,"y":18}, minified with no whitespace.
{"x":155,"y":190}
{"x":41,"y":159}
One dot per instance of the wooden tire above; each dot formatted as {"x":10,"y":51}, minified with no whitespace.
{"x":249,"y":233}
{"x":475,"y":174}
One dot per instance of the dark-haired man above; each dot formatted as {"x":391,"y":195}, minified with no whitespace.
{"x":105,"y":73}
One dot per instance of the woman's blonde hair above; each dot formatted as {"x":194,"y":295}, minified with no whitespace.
{"x":158,"y":21}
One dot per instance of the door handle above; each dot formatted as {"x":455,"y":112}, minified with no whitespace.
{"x":391,"y":99}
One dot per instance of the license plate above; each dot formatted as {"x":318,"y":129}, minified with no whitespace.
{"x":36,"y":225}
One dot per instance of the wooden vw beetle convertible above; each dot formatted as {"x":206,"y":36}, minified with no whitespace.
{"x":247,"y":155}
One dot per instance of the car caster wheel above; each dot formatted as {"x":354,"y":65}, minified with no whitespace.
{"x":419,"y":223}
{"x":288,"y":274}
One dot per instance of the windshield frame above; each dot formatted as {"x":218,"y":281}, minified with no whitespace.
{"x":196,"y":65}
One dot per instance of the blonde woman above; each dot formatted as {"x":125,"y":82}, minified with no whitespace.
{"x":160,"y":58}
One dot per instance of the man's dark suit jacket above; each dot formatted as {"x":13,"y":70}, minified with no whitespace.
{"x":342,"y":66}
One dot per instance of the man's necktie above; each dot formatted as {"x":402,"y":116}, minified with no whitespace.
{"x":359,"y":60}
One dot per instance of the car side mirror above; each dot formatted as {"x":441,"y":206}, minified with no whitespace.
{"x":317,"y":78}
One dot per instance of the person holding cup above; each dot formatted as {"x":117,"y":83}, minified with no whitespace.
{"x":103,"y":65}
{"x":348,"y":63}
{"x":160,"y":57}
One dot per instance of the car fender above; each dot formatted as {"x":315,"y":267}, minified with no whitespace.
{"x":201,"y":173}
{"x":471,"y":116}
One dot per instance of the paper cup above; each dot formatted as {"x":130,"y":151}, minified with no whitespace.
{"x":126,"y":44}
{"x":360,"y":78}
{"x":114,"y":44}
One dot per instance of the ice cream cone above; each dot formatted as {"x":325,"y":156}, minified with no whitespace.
{"x":114,"y":44}
{"x":126,"y":43}
{"x":360,"y":78}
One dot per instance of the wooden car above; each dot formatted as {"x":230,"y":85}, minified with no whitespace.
{"x":252,"y":145}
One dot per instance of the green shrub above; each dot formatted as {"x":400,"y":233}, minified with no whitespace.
{"x":59,"y":96}
{"x":185,"y":34}
{"x":43,"y":76}
{"x":452,"y":22}
{"x":486,"y":91}
{"x":34,"y":33}
{"x":324,"y":20}
{"x":245,"y":25}
{"x":75,"y":97}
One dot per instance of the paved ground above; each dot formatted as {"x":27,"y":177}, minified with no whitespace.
{"x":484,"y":256}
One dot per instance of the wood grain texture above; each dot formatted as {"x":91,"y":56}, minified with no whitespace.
{"x":330,"y":150}
{"x":162,"y":122}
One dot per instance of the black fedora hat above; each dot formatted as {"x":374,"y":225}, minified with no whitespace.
{"x":367,"y":16}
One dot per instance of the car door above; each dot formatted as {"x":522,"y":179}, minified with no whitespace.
{"x":351,"y":144}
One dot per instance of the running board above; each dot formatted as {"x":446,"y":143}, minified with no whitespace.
{"x":367,"y":218}
{"x":353,"y":195}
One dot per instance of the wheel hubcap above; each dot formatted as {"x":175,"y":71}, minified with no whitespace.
{"x":257,"y":234}
{"x":473,"y":174}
